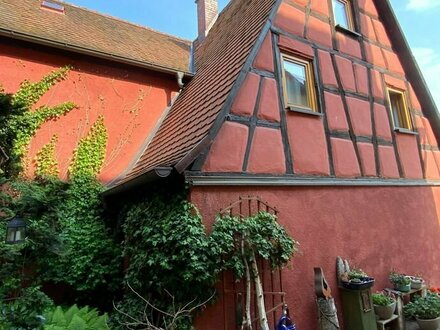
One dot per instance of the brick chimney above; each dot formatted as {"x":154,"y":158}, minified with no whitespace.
{"x":207,"y":12}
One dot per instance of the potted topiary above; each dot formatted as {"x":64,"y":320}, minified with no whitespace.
{"x":401,"y":282}
{"x":384,"y":304}
{"x":426,"y":311}
{"x":356,"y":279}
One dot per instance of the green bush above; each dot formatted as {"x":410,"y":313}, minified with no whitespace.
{"x":75,"y":318}
{"x":424,"y":308}
{"x":170,"y":261}
{"x":24,"y":311}
{"x":382,"y":299}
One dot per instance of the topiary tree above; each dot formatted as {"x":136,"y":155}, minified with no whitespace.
{"x":238,"y":242}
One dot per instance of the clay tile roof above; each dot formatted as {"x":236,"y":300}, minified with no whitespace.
{"x":219,"y":60}
{"x":80,"y":28}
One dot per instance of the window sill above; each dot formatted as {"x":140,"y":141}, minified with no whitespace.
{"x":304,"y":111}
{"x":405,"y":131}
{"x":344,"y":30}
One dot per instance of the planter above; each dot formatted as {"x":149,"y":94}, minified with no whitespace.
{"x":403,"y":287}
{"x":385,"y":312}
{"x":416,"y":283}
{"x":433,"y":324}
{"x":365,"y":283}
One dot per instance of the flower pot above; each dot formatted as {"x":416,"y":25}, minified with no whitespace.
{"x":385,"y":312}
{"x":416,"y":284}
{"x":403,"y":287}
{"x":364,"y":283}
{"x":433,"y":324}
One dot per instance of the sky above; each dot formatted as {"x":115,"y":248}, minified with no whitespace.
{"x":418,"y":18}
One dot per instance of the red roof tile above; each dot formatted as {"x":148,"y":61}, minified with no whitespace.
{"x":80,"y":28}
{"x":218,"y":60}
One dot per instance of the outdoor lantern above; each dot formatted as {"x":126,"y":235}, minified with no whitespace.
{"x":15,"y":230}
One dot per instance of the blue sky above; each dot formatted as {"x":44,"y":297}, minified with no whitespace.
{"x":418,"y":18}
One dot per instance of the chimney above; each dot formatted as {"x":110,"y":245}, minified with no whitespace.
{"x":207,"y":12}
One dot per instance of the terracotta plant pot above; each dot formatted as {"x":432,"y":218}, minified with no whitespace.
{"x":385,"y":312}
{"x":433,"y":324}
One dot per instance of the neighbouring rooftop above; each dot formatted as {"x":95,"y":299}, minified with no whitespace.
{"x":63,"y":25}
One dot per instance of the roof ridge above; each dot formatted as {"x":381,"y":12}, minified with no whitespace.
{"x":121,"y":20}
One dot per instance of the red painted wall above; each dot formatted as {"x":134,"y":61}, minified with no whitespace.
{"x":376,"y":229}
{"x":130,"y":99}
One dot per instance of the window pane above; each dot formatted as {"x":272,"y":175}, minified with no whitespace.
{"x":340,"y":10}
{"x":397,"y":109}
{"x":296,"y":84}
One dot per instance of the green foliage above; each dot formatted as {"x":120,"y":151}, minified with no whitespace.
{"x":399,"y":279}
{"x":75,"y":318}
{"x":20,"y":122}
{"x":261,"y":235}
{"x":90,"y":153}
{"x":425,"y":308}
{"x":23,"y":310}
{"x":356,"y":273}
{"x":67,"y":240}
{"x":29,"y":93}
{"x":169,"y":254}
{"x":88,"y":258}
{"x":382,"y":299}
{"x":46,"y":165}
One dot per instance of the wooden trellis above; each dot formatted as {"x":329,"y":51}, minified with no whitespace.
{"x":234,"y":291}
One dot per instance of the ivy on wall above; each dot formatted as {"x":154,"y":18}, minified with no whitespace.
{"x":68,"y":242}
{"x":20,"y":122}
{"x":89,"y":156}
{"x":46,"y":164}
{"x":170,"y":262}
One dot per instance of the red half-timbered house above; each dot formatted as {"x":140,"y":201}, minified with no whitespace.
{"x":318,"y":108}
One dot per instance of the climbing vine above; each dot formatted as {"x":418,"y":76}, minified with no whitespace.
{"x":90,"y":153}
{"x":46,"y":164}
{"x":68,"y":242}
{"x":20,"y":122}
{"x":170,"y":259}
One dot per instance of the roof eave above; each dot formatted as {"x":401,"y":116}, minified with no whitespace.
{"x":155,"y":174}
{"x":409,"y":63}
{"x":91,"y":52}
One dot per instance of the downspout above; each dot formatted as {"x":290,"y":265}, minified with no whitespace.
{"x":180,"y":75}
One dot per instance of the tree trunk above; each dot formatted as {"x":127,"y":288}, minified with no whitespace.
{"x":260,"y":295}
{"x":247,"y":320}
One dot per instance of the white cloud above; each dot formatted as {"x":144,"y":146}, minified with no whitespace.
{"x":422,"y":4}
{"x":429,"y":62}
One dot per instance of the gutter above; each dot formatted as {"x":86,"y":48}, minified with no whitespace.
{"x":412,"y":70}
{"x":91,"y":52}
{"x":213,"y":180}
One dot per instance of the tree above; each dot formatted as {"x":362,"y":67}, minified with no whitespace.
{"x":238,"y":242}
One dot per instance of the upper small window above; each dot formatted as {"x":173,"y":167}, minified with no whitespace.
{"x":342,"y":14}
{"x":299,"y":84}
{"x":52,"y":6}
{"x":399,"y":109}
